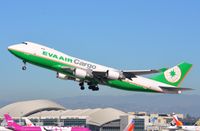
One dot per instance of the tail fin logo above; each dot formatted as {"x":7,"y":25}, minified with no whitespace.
{"x":173,"y":75}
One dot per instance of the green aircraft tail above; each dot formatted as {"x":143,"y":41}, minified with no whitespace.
{"x":174,"y":75}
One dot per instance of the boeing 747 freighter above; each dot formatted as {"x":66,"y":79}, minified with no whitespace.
{"x":72,"y":68}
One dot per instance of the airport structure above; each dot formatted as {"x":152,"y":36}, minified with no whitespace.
{"x":46,"y":113}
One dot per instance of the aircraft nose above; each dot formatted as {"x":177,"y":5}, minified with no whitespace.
{"x":11,"y":47}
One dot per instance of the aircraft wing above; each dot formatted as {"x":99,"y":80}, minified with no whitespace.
{"x":140,"y":72}
{"x":102,"y":74}
{"x":125,"y":74}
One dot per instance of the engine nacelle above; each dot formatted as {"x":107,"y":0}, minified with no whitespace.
{"x":80,"y":73}
{"x":114,"y":75}
{"x":62,"y":76}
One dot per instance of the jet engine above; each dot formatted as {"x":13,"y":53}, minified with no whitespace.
{"x":80,"y":73}
{"x":62,"y":76}
{"x":114,"y":75}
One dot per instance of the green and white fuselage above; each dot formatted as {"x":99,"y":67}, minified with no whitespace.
{"x":71,"y":68}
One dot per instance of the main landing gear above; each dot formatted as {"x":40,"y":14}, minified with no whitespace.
{"x":81,"y":84}
{"x":94,"y":88}
{"x":91,"y":86}
{"x":24,"y":67}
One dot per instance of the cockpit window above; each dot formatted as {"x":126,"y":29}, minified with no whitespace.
{"x":25,"y":43}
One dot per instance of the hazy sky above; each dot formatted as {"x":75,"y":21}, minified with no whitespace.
{"x":121,"y":34}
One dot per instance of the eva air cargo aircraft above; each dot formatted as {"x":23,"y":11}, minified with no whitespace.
{"x":84,"y":72}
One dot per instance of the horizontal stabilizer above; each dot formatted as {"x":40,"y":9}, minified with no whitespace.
{"x":174,"y":90}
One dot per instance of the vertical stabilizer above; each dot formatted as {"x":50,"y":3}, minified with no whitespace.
{"x":175,"y":75}
{"x":10,"y":122}
{"x":130,"y":126}
{"x":177,"y":122}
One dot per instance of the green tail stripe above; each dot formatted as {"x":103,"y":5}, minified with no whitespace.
{"x":174,"y":75}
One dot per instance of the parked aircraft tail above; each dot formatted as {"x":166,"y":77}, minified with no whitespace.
{"x":130,"y":126}
{"x":10,"y":122}
{"x":177,"y":121}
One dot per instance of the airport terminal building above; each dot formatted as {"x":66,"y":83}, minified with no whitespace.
{"x":48,"y":113}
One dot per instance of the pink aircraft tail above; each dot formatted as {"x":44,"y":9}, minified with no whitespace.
{"x":10,"y":122}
